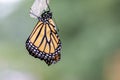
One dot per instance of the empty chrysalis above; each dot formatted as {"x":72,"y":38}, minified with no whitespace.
{"x":38,"y":7}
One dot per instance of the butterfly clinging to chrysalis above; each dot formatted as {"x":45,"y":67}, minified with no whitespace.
{"x":44,"y":42}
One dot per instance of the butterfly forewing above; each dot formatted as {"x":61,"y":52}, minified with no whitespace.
{"x":44,"y":42}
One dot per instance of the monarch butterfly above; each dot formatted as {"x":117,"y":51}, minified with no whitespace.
{"x":44,"y":42}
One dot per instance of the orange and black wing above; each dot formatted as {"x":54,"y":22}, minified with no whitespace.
{"x":44,"y":42}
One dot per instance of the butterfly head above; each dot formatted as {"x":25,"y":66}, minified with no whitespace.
{"x":46,"y":16}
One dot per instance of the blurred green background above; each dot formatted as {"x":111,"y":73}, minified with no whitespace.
{"x":90,"y":35}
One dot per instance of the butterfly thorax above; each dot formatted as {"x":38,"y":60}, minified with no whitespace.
{"x":46,"y":16}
